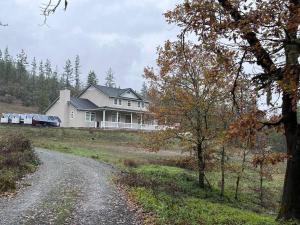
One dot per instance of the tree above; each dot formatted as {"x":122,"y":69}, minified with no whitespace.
{"x":92,"y":78}
{"x":110,"y":80}
{"x":267,"y":34}
{"x":144,"y":90}
{"x":77,"y":74}
{"x":48,"y":69}
{"x":68,"y":74}
{"x":185,"y":92}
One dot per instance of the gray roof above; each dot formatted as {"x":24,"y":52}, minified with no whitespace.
{"x":116,"y":92}
{"x":82,"y":103}
{"x":110,"y":91}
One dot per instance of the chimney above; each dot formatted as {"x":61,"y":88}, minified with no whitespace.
{"x":65,"y":95}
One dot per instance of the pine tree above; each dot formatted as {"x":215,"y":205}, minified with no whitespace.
{"x":144,"y":90}
{"x":48,"y":69}
{"x":92,"y":78}
{"x":110,"y":80}
{"x":33,"y":67}
{"x":7,"y":57}
{"x":68,"y":74}
{"x":77,"y":75}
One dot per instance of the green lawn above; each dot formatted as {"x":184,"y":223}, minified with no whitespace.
{"x":168,"y":194}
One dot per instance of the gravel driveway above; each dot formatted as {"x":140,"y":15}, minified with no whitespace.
{"x":67,"y":190}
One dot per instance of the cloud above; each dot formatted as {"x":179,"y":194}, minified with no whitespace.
{"x":118,"y":34}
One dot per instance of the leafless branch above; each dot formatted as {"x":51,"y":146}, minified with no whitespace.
{"x":50,"y":8}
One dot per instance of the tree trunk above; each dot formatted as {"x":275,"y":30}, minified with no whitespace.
{"x":222,"y":171}
{"x":261,"y":184}
{"x":290,"y":205}
{"x":201,"y":166}
{"x":239,"y":176}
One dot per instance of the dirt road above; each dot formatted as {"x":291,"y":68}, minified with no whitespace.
{"x":67,"y":190}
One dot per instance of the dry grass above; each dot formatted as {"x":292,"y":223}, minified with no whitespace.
{"x":16,"y":107}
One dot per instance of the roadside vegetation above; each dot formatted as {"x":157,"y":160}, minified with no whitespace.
{"x":165,"y":183}
{"x":17,"y":158}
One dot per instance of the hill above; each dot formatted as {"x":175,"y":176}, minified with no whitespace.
{"x":16,"y":107}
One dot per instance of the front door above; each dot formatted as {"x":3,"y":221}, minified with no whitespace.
{"x":127,"y":118}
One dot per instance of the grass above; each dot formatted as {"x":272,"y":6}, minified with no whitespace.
{"x":173,"y":196}
{"x":156,"y":181}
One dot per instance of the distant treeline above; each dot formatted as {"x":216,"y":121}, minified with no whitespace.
{"x":36,"y":83}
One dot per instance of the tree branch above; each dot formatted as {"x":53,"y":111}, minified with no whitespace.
{"x":50,"y":8}
{"x":263,"y":57}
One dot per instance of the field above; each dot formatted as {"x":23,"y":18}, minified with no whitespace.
{"x":161,"y":183}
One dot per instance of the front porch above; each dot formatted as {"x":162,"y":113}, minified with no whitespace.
{"x":123,"y":119}
{"x":133,"y":126}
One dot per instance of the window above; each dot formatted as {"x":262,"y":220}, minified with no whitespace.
{"x":90,"y":116}
{"x":115,"y":101}
{"x":139,"y":104}
{"x":120,"y":102}
{"x":129,"y":103}
{"x":114,"y":118}
{"x":72,"y":115}
{"x":143,"y":104}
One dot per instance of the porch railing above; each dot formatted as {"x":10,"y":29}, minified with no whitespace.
{"x":134,"y":126}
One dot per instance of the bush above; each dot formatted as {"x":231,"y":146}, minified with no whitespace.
{"x":131,"y":163}
{"x":17,"y":158}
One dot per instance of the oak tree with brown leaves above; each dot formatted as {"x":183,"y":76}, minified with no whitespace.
{"x":266,"y":32}
{"x":186,"y":92}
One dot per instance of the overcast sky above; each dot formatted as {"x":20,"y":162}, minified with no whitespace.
{"x":122,"y":34}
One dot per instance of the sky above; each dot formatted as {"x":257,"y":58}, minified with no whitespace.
{"x":121,"y":34}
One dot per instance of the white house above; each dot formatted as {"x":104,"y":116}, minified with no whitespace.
{"x":103,"y":107}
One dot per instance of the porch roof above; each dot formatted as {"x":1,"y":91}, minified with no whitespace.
{"x":117,"y":110}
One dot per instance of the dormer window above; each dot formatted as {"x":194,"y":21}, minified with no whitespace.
{"x":129,"y":103}
{"x":139,"y":104}
{"x":143,"y":104}
{"x":115,"y":101}
{"x":120,"y":102}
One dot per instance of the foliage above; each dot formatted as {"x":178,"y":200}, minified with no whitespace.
{"x":16,"y":159}
{"x":92,"y":78}
{"x":110,"y":79}
{"x":37,"y":85}
{"x":263,"y":35}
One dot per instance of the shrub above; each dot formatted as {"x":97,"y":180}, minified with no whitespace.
{"x":17,"y":158}
{"x":131,"y":163}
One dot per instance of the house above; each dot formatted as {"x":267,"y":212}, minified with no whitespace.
{"x":103,"y":107}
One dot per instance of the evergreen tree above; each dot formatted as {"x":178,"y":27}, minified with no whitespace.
{"x":77,"y":75}
{"x":144,"y":90}
{"x":92,"y":78}
{"x":7,"y":57}
{"x":110,"y":80}
{"x":68,"y":74}
{"x":33,"y":67}
{"x":48,"y":69}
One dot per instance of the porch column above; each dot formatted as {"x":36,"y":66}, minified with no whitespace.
{"x":118,"y":119}
{"x":131,"y":119}
{"x":141,"y":121}
{"x":103,"y":118}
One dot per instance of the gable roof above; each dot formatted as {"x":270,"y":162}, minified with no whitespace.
{"x":82,"y":104}
{"x":114,"y":92}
